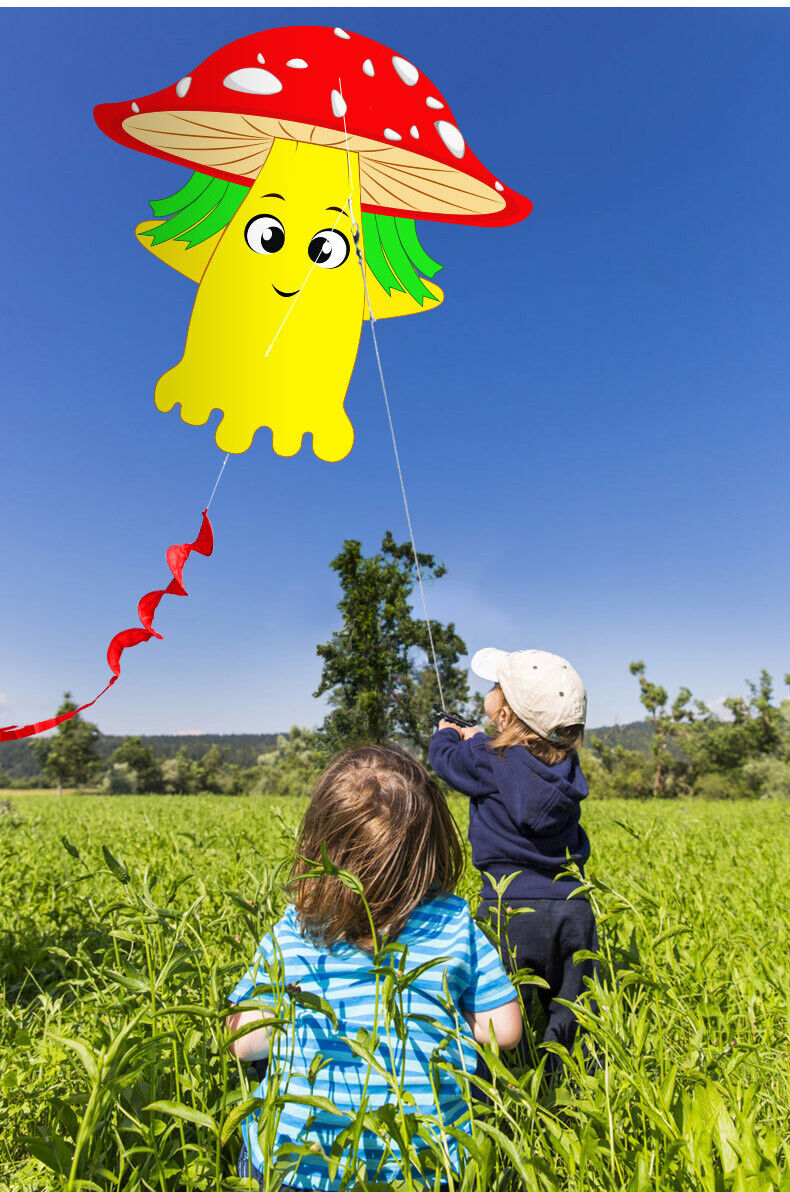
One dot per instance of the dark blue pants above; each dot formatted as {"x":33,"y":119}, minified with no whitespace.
{"x":544,"y":941}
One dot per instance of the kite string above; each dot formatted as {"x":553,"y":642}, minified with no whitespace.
{"x":372,"y":321}
{"x":216,"y":482}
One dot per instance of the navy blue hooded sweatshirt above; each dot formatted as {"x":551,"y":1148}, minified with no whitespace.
{"x":523,"y":815}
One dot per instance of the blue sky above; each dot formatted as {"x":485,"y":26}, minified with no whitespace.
{"x":593,"y":426}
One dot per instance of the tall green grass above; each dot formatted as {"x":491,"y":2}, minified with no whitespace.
{"x":119,"y":944}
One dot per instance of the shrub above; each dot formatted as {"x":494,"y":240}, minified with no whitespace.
{"x":120,"y":779}
{"x":617,"y":773}
{"x":768,"y":776}
{"x":291,"y":767}
{"x":717,"y":785}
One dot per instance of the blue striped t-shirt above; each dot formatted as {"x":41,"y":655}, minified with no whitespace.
{"x":440,"y":929}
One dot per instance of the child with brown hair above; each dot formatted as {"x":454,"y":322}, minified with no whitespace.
{"x":526,"y":787}
{"x":380,"y":815}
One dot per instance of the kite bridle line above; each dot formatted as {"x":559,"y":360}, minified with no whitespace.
{"x":372,"y":321}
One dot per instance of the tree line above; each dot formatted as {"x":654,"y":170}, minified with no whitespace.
{"x":379,"y":674}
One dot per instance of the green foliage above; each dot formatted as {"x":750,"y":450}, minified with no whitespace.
{"x":669,"y":771}
{"x":210,"y":771}
{"x":141,"y":761}
{"x":617,"y":773}
{"x":756,"y":729}
{"x":292,"y":767}
{"x":721,"y":784}
{"x":69,"y":757}
{"x":183,"y":775}
{"x":376,"y":667}
{"x":768,"y":777}
{"x":120,"y":942}
{"x":239,"y":749}
{"x":180,"y":774}
{"x":120,"y":779}
{"x":693,"y":751}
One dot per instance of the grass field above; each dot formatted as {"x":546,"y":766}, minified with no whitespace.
{"x":118,"y":948}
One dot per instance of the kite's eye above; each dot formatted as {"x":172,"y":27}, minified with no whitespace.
{"x":265,"y":234}
{"x":328,"y":249}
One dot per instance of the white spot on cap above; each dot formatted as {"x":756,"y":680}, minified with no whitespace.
{"x":451,"y":137}
{"x":183,"y":85}
{"x":135,"y":107}
{"x":499,"y":186}
{"x":405,"y":71}
{"x":261,"y":59}
{"x":415,"y":132}
{"x":392,"y":135}
{"x":432,"y":102}
{"x":367,"y":66}
{"x":253,"y":81}
{"x":339,"y":105}
{"x":297,"y":63}
{"x":342,"y":33}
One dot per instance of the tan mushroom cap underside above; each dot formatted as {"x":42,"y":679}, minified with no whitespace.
{"x":390,"y":175}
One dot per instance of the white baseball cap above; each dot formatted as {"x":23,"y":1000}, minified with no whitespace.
{"x":542,"y":689}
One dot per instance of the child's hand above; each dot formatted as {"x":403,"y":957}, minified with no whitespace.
{"x":448,"y":724}
{"x":463,"y":733}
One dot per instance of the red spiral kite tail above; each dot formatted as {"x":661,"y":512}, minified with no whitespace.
{"x":176,"y":558}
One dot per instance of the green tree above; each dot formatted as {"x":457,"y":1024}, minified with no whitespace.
{"x":616,"y":772}
{"x":756,"y":730}
{"x":140,"y":759}
{"x":70,"y":756}
{"x":181,"y":774}
{"x":120,"y":779}
{"x":669,"y":769}
{"x":210,"y":770}
{"x":378,"y":667}
{"x":292,"y":767}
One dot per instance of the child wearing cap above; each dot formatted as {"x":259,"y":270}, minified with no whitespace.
{"x":525,"y":788}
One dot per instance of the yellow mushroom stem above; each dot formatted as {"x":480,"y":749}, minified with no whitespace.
{"x":263,"y":359}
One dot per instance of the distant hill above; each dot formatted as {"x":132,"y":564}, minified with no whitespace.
{"x":637,"y":735}
{"x":241,"y":749}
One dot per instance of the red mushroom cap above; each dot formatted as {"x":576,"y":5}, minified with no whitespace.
{"x":328,"y":87}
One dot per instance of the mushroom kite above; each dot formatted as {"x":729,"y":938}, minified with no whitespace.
{"x":282,"y":129}
{"x":289,"y":133}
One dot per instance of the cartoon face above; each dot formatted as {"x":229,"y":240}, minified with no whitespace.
{"x":276,"y":323}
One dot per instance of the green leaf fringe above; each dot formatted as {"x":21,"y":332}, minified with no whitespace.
{"x":204,"y":206}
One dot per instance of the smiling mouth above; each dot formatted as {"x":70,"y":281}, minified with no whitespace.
{"x":284,"y":293}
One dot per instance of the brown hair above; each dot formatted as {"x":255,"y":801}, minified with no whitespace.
{"x":563,"y":740}
{"x":381,"y":816}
